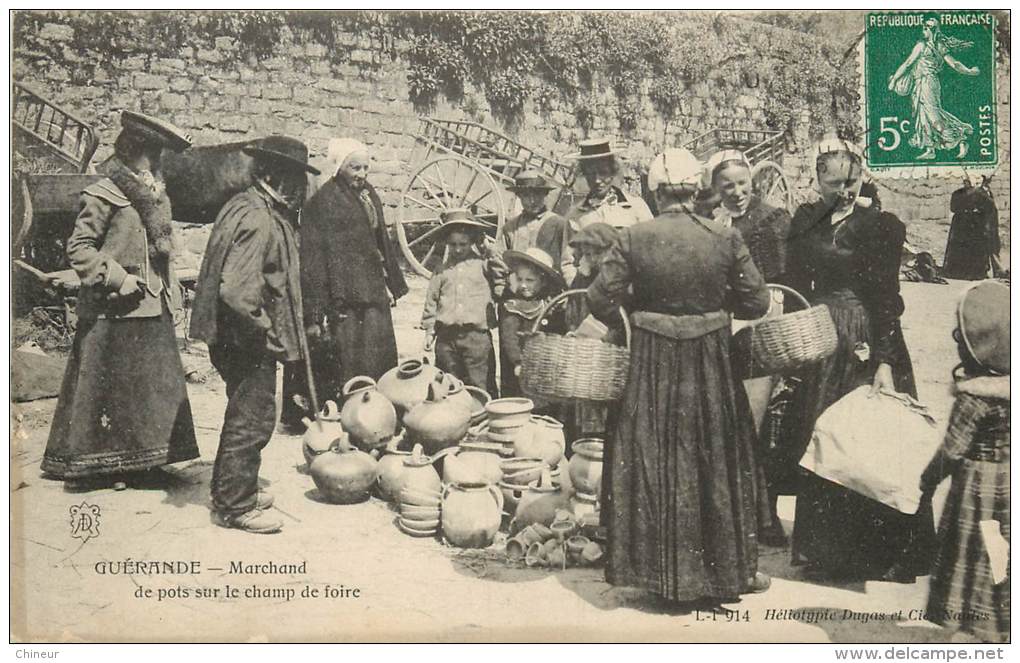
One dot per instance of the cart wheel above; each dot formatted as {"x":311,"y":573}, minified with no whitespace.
{"x":444,"y":183}
{"x":770,"y":184}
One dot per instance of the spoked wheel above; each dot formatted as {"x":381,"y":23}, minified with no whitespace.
{"x":770,"y":184}
{"x":444,"y":183}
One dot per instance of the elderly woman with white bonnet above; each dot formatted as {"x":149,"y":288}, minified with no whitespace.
{"x":350,"y":276}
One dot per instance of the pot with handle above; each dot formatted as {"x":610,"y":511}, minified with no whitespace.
{"x":586,"y":466}
{"x":471,"y":514}
{"x":437,"y":422}
{"x":344,"y":475}
{"x":407,"y":384}
{"x":323,"y":434}
{"x":368,"y":416}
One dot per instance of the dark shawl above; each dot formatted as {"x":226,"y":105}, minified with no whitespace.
{"x":345,"y":263}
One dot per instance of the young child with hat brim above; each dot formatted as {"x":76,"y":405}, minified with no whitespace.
{"x":536,"y":281}
{"x":970,"y":581}
{"x":459,"y":309}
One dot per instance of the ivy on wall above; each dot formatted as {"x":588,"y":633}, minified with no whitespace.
{"x":563,"y":59}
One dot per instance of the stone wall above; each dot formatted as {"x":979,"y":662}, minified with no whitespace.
{"x":220,"y":97}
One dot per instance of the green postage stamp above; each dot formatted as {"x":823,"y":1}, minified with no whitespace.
{"x":929,"y":92}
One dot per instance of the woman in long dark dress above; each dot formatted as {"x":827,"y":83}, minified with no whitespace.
{"x":681,"y":504}
{"x":848,"y":257}
{"x":764,"y":229}
{"x":123,"y":406}
{"x":972,"y":248}
{"x":349,"y":278}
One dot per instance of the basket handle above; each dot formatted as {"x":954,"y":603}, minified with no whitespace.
{"x":782,"y":288}
{"x":562,"y":297}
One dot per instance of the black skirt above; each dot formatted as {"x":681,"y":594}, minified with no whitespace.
{"x":123,"y":405}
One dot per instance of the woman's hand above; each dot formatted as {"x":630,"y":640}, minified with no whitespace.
{"x":883,"y":380}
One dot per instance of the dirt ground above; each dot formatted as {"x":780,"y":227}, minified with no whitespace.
{"x":409,"y":589}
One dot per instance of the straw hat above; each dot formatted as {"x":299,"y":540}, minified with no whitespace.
{"x":537,"y":258}
{"x":530,"y":180}
{"x":594,"y":148}
{"x":459,"y":218}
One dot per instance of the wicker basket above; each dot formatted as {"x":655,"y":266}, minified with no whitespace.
{"x":788,"y":342}
{"x":569,"y":368}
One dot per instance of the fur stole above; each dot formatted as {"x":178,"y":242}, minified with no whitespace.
{"x":153,"y":210}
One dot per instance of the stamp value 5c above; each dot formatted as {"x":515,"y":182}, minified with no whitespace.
{"x":929,"y":91}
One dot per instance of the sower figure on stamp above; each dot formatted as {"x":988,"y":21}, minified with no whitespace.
{"x":123,"y":406}
{"x":248,"y":309}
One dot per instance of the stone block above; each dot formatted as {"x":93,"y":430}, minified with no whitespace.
{"x":276,"y":92}
{"x":56,"y":32}
{"x":172,"y":101}
{"x":213,"y":56}
{"x":235,"y":89}
{"x":167,"y":65}
{"x":132,"y":64}
{"x":220,"y":103}
{"x":196,"y":100}
{"x":305,"y":95}
{"x":150,"y":82}
{"x":225,"y":75}
{"x":57,"y":73}
{"x":314,"y":50}
{"x":226,"y":44}
{"x":360,"y":56}
{"x":255,"y":91}
{"x":284,"y":109}
{"x":181,"y":84}
{"x":122,"y":100}
{"x":275,"y":64}
{"x":333,"y":84}
{"x":295,"y":128}
{"x":321,"y":68}
{"x":392,"y":167}
{"x":235,"y":123}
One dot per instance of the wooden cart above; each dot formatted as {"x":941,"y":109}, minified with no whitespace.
{"x":465,"y":164}
{"x":763,"y":149}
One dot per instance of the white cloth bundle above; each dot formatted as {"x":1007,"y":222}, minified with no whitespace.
{"x":876,"y":446}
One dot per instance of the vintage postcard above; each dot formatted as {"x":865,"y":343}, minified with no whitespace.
{"x":449,"y":326}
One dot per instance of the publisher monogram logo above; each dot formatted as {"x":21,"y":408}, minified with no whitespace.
{"x":84,"y":521}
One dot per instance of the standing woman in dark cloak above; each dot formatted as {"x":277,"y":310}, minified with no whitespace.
{"x":683,"y":493}
{"x":350,"y":277}
{"x":972,"y":249}
{"x":848,"y":257}
{"x":123,"y":406}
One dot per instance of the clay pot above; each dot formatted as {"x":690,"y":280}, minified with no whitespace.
{"x":575,"y":546}
{"x":391,"y":473}
{"x":368,"y":417}
{"x":411,"y":497}
{"x":408,"y":384}
{"x":437,"y":422}
{"x":480,"y":398}
{"x":344,"y":477}
{"x":323,"y":434}
{"x":586,"y":466}
{"x":592,"y":553}
{"x":510,"y":410}
{"x":468,"y":466}
{"x":418,"y":474}
{"x":563,"y":529}
{"x":409,"y":512}
{"x":420,"y":525}
{"x":541,"y":438}
{"x":583,"y":505}
{"x":511,"y":496}
{"x":471,"y":514}
{"x":539,"y":504}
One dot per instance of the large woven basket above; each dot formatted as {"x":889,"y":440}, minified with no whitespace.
{"x":570,"y":368}
{"x":788,"y":342}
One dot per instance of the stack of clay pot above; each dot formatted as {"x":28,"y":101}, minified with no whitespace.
{"x":419,"y":491}
{"x":585,"y":470}
{"x":507,"y":418}
{"x":518,"y":473}
{"x":556,"y":545}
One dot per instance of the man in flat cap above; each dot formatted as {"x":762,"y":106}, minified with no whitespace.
{"x":248,"y":310}
{"x":123,"y":407}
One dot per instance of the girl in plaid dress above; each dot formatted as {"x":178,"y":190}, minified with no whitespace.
{"x":970,"y":583}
